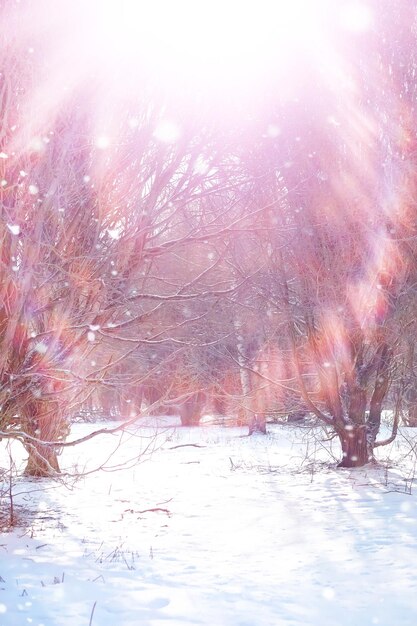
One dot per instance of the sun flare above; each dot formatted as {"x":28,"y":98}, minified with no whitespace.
{"x":203,"y":43}
{"x":227,"y":56}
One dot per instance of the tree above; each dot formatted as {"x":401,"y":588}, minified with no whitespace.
{"x":107,"y":241}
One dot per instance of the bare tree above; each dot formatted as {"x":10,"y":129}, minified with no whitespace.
{"x":102,"y":247}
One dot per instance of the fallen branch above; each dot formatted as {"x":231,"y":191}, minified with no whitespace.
{"x":155,"y":510}
{"x":187,"y":445}
{"x":92,"y":613}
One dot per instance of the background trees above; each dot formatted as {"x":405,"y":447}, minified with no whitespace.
{"x":161,"y":247}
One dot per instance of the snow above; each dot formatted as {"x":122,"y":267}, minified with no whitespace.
{"x":245,"y":532}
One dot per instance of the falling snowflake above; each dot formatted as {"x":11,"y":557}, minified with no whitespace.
{"x":102,"y":142}
{"x":91,"y":336}
{"x":3,"y":155}
{"x":333,"y":121}
{"x":273,"y":131}
{"x":33,"y":190}
{"x":14,"y":228}
{"x":167,"y":132}
{"x":113,"y":233}
{"x":36,"y":144}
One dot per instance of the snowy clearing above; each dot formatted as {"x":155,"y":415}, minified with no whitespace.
{"x":244,"y":532}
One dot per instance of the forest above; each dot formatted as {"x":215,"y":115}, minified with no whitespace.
{"x":160,"y":251}
{"x":207,"y":213}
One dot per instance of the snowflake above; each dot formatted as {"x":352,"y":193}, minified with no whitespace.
{"x":273,"y":131}
{"x":102,"y":142}
{"x":36,"y":144}
{"x":14,"y":228}
{"x":166,"y":132}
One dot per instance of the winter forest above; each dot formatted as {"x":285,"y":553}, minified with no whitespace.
{"x":208,"y":312}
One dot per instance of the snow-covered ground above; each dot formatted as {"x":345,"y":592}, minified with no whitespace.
{"x":244,"y":532}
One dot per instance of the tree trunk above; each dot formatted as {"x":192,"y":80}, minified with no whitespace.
{"x":354,"y":447}
{"x":190,"y":410}
{"x":257,"y":424}
{"x":411,"y":418}
{"x":296,"y":416}
{"x":244,"y":375}
{"x":219,"y":405}
{"x":44,"y":424}
{"x":42,"y":461}
{"x":380,"y":391}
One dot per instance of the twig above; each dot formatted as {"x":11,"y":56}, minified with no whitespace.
{"x":154,"y":510}
{"x":164,"y":502}
{"x":92,"y":613}
{"x":187,"y":445}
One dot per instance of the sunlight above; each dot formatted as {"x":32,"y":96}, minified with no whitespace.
{"x":226,"y":56}
{"x":199,"y":34}
{"x":211,"y":47}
